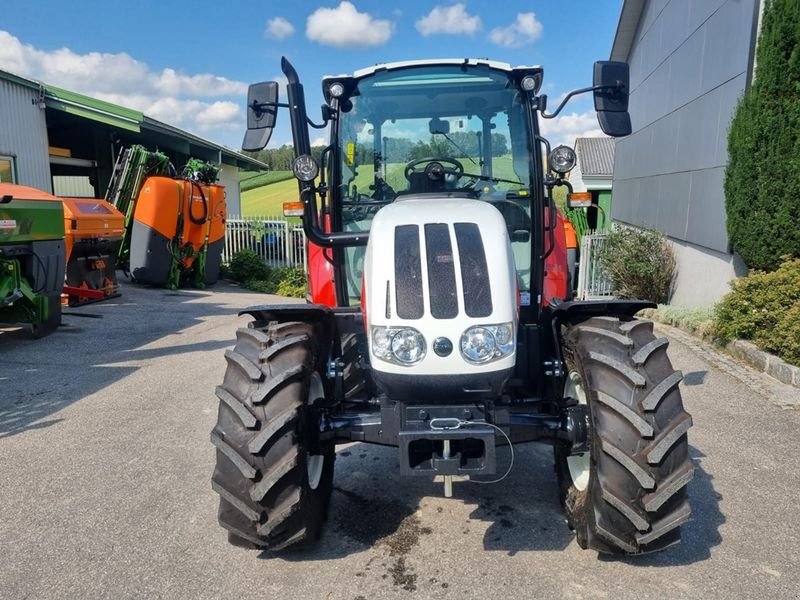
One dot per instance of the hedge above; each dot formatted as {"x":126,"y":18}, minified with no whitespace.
{"x":762,"y":187}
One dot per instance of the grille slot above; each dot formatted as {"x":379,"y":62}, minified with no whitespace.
{"x":474,"y":273}
{"x":441,"y":271}
{"x":408,"y":272}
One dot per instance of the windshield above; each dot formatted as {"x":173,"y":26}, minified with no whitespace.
{"x":436,"y":130}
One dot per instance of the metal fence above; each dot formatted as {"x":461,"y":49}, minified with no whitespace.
{"x":593,"y":281}
{"x":277,"y":241}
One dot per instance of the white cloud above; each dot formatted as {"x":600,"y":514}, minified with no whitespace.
{"x":344,"y":27}
{"x":566,"y":127}
{"x":278,"y":28}
{"x":319,"y":141}
{"x":452,"y":19}
{"x":169,"y":95}
{"x":526,"y":29}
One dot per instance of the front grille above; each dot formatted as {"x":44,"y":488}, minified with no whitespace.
{"x":441,"y":268}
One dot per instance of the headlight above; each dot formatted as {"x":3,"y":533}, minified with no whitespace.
{"x":485,"y":343}
{"x":401,"y":345}
{"x":477,"y":345}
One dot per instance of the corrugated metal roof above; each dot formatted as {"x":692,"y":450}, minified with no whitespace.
{"x":595,"y":156}
{"x":23,"y":81}
{"x":125,"y":118}
{"x":92,"y":108}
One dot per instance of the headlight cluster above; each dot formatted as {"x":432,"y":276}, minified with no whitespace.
{"x":401,"y":345}
{"x":484,"y":343}
{"x":406,"y":346}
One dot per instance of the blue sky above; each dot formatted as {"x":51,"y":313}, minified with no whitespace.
{"x":189,"y":63}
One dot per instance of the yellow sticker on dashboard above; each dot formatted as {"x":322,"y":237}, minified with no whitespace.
{"x":351,"y":153}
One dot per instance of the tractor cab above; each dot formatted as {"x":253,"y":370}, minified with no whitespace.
{"x":443,"y":130}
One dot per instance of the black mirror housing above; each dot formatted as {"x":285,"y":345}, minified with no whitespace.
{"x":262,"y":109}
{"x":612,"y":87}
{"x":437,"y":125}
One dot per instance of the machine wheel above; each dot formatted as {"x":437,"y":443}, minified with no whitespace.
{"x":628,"y":494}
{"x":53,"y":321}
{"x":273,"y":476}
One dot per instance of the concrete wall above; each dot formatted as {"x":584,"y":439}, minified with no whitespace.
{"x":703,"y":274}
{"x":229,"y":177}
{"x":690,"y":63}
{"x":23,"y":134}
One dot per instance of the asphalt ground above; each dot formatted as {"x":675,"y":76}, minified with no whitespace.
{"x":105,"y":466}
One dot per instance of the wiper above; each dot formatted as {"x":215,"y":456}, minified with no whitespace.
{"x":459,"y":148}
{"x":492,"y":179}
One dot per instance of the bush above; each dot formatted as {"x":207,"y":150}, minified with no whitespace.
{"x":283,"y":281}
{"x":765,"y":308}
{"x":785,"y":341}
{"x":761,"y":182}
{"x":292,"y":282}
{"x":640,"y":264}
{"x":247,"y":265}
{"x":250,"y":272}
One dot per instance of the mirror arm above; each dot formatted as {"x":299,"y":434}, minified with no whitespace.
{"x":568,"y":97}
{"x":322,"y":125}
{"x":261,"y":106}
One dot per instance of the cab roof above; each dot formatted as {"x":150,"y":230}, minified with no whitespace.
{"x":493,"y":64}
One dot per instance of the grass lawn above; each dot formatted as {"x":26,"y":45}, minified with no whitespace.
{"x":267,"y":200}
{"x":249,"y":181}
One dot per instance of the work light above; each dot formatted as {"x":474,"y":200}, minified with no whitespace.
{"x":562,"y":159}
{"x":305,"y":168}
{"x":336,"y":89}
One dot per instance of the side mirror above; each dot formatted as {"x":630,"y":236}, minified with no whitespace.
{"x":262,"y":108}
{"x":611,"y":100}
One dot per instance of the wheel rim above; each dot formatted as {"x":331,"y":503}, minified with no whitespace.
{"x":315,"y":463}
{"x":579,"y":465}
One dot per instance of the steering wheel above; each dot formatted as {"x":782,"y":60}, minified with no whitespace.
{"x":435,"y":170}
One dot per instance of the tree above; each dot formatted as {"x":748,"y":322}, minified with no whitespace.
{"x":762,"y":186}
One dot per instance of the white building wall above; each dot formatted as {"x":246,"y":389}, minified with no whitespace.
{"x":704,"y":275}
{"x":23,"y":134}
{"x":690,"y":63}
{"x":229,"y":177}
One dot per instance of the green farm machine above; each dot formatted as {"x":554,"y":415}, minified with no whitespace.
{"x":32,"y":258}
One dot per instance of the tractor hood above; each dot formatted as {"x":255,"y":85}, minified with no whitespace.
{"x":440,"y":294}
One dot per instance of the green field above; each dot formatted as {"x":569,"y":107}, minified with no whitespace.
{"x":249,"y":180}
{"x":268,"y":199}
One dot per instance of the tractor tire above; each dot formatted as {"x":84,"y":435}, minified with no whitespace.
{"x":628,"y":494}
{"x":273,"y":476}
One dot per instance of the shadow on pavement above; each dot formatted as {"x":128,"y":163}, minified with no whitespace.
{"x":372,"y":506}
{"x":40,"y":377}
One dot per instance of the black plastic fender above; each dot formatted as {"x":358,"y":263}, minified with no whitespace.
{"x":320,"y":315}
{"x":579,"y":310}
